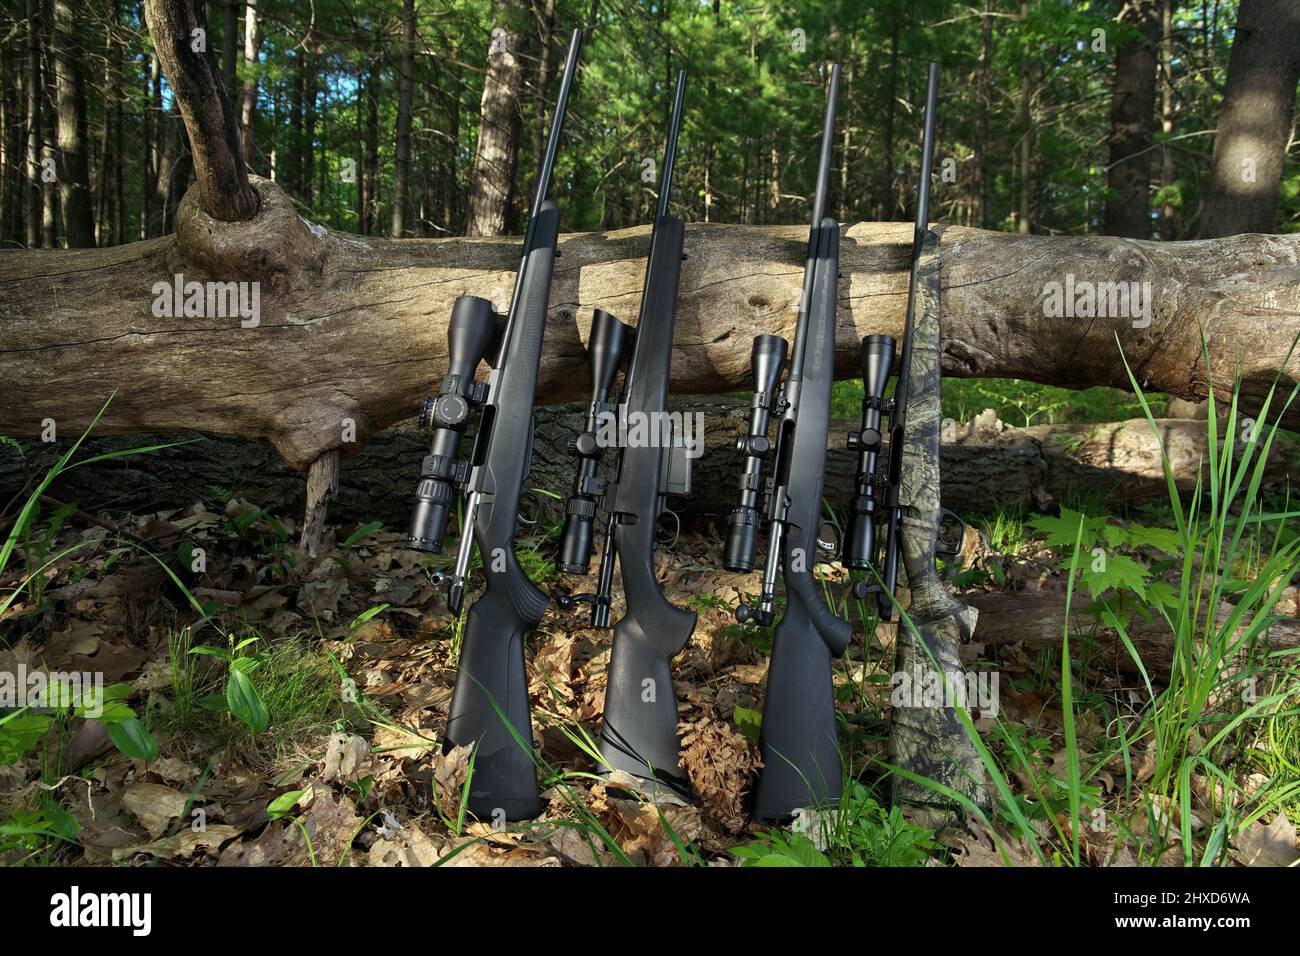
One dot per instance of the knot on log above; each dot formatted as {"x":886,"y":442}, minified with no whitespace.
{"x":276,"y":247}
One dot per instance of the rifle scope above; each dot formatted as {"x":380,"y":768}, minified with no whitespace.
{"x":469,"y":336}
{"x":604,"y":356}
{"x":860,"y":538}
{"x":767,"y":361}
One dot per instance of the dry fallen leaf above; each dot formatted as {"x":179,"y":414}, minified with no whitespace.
{"x":719,"y":762}
{"x":154,"y":805}
{"x":1271,"y":845}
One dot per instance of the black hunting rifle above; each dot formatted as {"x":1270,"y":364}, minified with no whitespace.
{"x":639,"y":731}
{"x":489,"y":706}
{"x":798,"y":739}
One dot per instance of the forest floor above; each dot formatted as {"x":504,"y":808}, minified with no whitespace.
{"x":350,"y":657}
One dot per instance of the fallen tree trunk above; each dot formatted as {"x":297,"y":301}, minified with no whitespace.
{"x":986,"y":465}
{"x":347,"y":333}
{"x":1036,"y":619}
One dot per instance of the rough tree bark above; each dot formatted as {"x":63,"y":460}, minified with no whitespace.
{"x":1035,"y":619}
{"x":365,"y":319}
{"x":498,"y":136}
{"x":230,"y":10}
{"x":1132,"y":109}
{"x":1254,"y":120}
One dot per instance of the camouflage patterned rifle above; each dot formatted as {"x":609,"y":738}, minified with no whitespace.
{"x":866,"y":511}
{"x":489,"y":706}
{"x":639,"y":730}
{"x":798,"y":739}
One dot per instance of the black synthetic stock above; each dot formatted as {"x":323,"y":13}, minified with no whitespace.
{"x":491,"y":689}
{"x":798,"y":739}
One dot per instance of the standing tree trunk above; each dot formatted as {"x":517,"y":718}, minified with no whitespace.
{"x":49,"y":161}
{"x":1132,"y":109}
{"x":311,"y":90}
{"x":498,"y":136}
{"x":982,"y":124}
{"x":543,"y":79}
{"x":73,"y":170}
{"x":33,"y":11}
{"x":293,"y":165}
{"x":1024,"y":205}
{"x":1254,"y":120}
{"x":1166,"y":116}
{"x":230,"y":44}
{"x":248,"y":104}
{"x":885,"y":204}
{"x":200,"y":95}
{"x":370,"y":170}
{"x":402,"y":154}
{"x":147,"y":151}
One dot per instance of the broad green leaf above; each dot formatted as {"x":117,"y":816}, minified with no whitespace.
{"x":283,"y":804}
{"x":245,"y":703}
{"x":364,"y":531}
{"x":1071,"y":525}
{"x":1120,"y":572}
{"x":133,"y":740}
{"x":19,"y":733}
{"x":1162,"y":539}
{"x":747,"y":722}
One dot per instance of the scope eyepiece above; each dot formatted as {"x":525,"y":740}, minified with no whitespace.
{"x":469,"y":336}
{"x":576,"y":541}
{"x":742,"y":539}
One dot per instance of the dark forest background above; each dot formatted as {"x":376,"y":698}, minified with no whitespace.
{"x":427,"y":117}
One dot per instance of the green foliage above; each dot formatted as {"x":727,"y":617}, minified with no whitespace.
{"x":753,"y":107}
{"x":859,"y":831}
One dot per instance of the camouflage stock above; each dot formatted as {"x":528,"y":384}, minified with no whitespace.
{"x":929,"y":741}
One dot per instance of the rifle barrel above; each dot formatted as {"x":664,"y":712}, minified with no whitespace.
{"x":927,"y":152}
{"x":828,"y":145}
{"x":670,"y":147}
{"x":557,"y":122}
